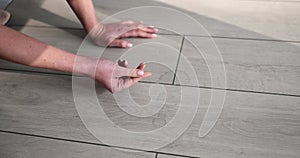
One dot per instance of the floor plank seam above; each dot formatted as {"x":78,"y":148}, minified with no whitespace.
{"x":91,"y":143}
{"x":172,"y":34}
{"x":148,"y":82}
{"x":34,"y":72}
{"x":78,"y":29}
{"x":171,"y":154}
{"x":240,"y":90}
{"x":246,"y":38}
{"x":178,"y":59}
{"x":47,"y":27}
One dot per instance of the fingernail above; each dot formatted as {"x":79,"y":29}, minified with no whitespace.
{"x":154,"y":35}
{"x":140,"y":73}
{"x":151,"y":26}
{"x":129,"y":45}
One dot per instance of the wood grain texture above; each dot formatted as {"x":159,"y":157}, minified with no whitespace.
{"x":282,"y":18}
{"x":264,"y":66}
{"x":271,"y":19}
{"x":250,"y":125}
{"x":43,"y":13}
{"x":66,"y":39}
{"x":160,"y":54}
{"x":15,"y":146}
{"x":168,"y":156}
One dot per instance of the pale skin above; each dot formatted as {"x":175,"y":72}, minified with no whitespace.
{"x":85,"y":12}
{"x":19,"y":48}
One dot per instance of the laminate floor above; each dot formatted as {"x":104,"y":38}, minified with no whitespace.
{"x":233,"y":94}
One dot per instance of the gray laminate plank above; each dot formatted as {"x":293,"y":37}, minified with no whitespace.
{"x":4,"y":3}
{"x":43,"y":13}
{"x":270,"y":20}
{"x":169,"y":156}
{"x":15,"y":146}
{"x":66,"y":39}
{"x":264,"y":66}
{"x":250,"y":125}
{"x":275,"y":19}
{"x":160,"y":54}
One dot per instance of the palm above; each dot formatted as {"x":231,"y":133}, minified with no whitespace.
{"x":116,"y":77}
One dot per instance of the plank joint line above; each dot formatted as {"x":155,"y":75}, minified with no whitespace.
{"x":178,"y":59}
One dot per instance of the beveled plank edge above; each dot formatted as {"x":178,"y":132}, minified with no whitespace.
{"x":149,"y":82}
{"x":173,"y":156}
{"x":93,"y":143}
{"x":246,"y":38}
{"x":13,"y":146}
{"x":241,"y":90}
{"x":48,"y":71}
{"x":178,"y":59}
{"x":168,"y":33}
{"x":81,"y":29}
{"x":231,"y":89}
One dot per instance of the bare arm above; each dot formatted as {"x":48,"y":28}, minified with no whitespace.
{"x":85,"y":11}
{"x":108,"y":34}
{"x":19,"y":48}
{"x":25,"y":50}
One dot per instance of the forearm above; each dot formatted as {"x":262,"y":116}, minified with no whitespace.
{"x":85,"y":11}
{"x":19,"y":48}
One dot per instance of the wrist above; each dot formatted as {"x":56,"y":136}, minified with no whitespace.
{"x":85,"y":65}
{"x":92,"y":25}
{"x":96,"y":31}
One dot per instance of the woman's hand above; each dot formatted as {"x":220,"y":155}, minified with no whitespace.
{"x":108,"y":34}
{"x":111,"y":34}
{"x":31,"y":52}
{"x":117,"y":76}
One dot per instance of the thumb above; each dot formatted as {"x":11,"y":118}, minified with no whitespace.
{"x":127,"y":72}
